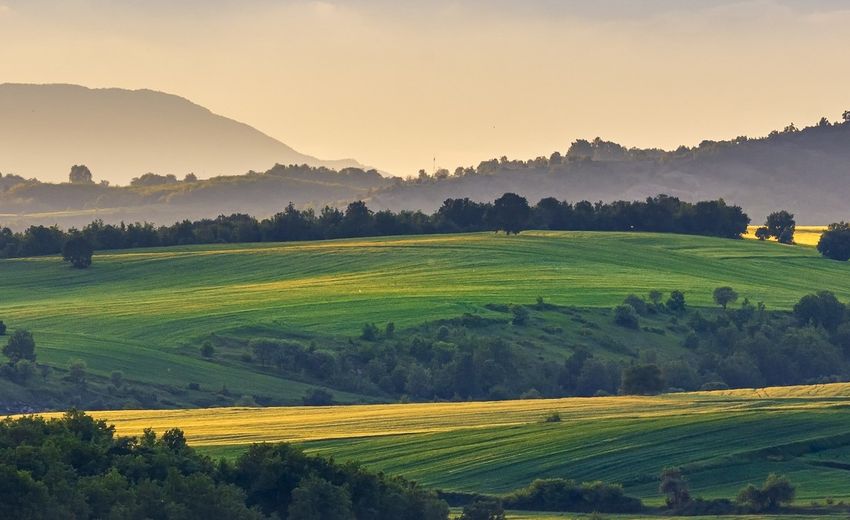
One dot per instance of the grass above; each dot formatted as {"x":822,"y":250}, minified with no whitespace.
{"x":135,"y":310}
{"x":723,"y":440}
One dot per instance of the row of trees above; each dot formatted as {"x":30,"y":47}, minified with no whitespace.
{"x":509,"y":213}
{"x":76,"y":467}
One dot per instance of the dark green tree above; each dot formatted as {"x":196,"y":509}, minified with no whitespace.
{"x":643,"y":380}
{"x":510,"y":213}
{"x":676,"y":301}
{"x":625,"y":316}
{"x":723,"y":296}
{"x":317,"y":499}
{"x":78,"y":251}
{"x":781,"y":225}
{"x":483,"y":509}
{"x":834,"y":243}
{"x":675,"y":487}
{"x":21,"y":345}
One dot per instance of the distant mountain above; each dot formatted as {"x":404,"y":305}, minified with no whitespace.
{"x":120,"y":134}
{"x":804,"y":171}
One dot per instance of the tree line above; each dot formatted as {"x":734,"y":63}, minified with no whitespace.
{"x":76,"y":467}
{"x":510,"y":213}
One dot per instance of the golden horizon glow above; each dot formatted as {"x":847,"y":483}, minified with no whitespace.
{"x":396,"y":85}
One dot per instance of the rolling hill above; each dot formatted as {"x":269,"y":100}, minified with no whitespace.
{"x":145,"y":311}
{"x":121,"y":134}
{"x":722,"y":440}
{"x":804,"y":171}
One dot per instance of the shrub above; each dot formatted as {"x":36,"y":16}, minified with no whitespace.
{"x":207,"y":350}
{"x":483,"y":509}
{"x":370,"y":332}
{"x":318,"y":397}
{"x":553,"y":417}
{"x":637,"y":303}
{"x":520,"y":315}
{"x":389,"y":331}
{"x":625,"y":316}
{"x":676,"y":301}
{"x":642,"y":380}
{"x":775,"y":491}
{"x":567,"y":495}
{"x":2,"y":328}
{"x":117,"y":378}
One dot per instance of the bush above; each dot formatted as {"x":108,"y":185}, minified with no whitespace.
{"x":637,"y":303}
{"x":318,"y":397}
{"x":676,"y":301}
{"x":207,"y":350}
{"x":566,"y":495}
{"x":370,"y":332}
{"x":643,"y":380}
{"x":2,"y":328}
{"x":483,"y":509}
{"x":775,"y":491}
{"x":625,"y":316}
{"x":520,"y":315}
{"x":553,"y":417}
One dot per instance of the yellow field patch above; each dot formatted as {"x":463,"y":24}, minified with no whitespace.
{"x":234,"y":426}
{"x":804,"y":235}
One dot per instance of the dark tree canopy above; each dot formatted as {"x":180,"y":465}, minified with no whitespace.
{"x":510,"y":213}
{"x":834,"y":243}
{"x":80,"y":174}
{"x":723,"y":296}
{"x":781,"y":225}
{"x":643,"y":380}
{"x":78,"y":251}
{"x":21,"y":345}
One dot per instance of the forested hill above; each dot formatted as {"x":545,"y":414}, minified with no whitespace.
{"x":805,"y":170}
{"x":122,"y":134}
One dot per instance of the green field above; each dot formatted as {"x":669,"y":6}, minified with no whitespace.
{"x":722,"y":440}
{"x":138,"y":310}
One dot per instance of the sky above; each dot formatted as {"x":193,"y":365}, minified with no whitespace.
{"x":398,"y":84}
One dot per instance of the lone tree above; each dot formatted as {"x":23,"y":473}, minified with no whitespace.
{"x":21,"y":345}
{"x":781,"y":225}
{"x":723,"y":296}
{"x":78,"y":251}
{"x":762,"y":233}
{"x":676,"y":301}
{"x":510,"y":213}
{"x":675,"y":487}
{"x":80,"y":174}
{"x":834,"y":243}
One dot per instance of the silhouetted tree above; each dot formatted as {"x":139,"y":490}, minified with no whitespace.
{"x":834,"y":243}
{"x":775,"y":491}
{"x":80,"y":174}
{"x":2,"y":328}
{"x":820,"y":309}
{"x":781,"y":225}
{"x":318,"y":397}
{"x":762,"y":233}
{"x":625,"y":316}
{"x":510,"y":213}
{"x":78,"y":251}
{"x":483,"y":509}
{"x":21,"y":345}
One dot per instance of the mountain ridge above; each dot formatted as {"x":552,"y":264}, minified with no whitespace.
{"x":122,"y":133}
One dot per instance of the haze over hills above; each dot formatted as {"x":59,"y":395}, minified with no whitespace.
{"x":121,"y":134}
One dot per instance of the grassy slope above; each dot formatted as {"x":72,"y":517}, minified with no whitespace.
{"x":722,"y":439}
{"x":134,"y":309}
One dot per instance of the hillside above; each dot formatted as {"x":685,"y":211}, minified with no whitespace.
{"x":804,"y":171}
{"x":145,"y":312}
{"x":721,"y":439}
{"x":121,"y":134}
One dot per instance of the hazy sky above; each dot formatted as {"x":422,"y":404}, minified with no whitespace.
{"x":395,"y":83}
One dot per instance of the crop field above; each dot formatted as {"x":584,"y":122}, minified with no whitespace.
{"x":722,"y":439}
{"x":134,"y":310}
{"x":804,"y":235}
